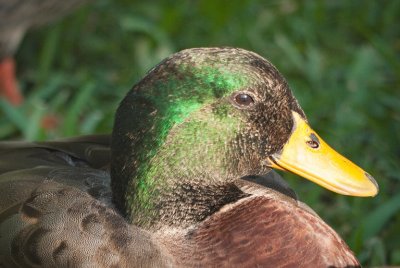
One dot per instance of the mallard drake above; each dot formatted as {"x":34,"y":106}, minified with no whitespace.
{"x":184,"y":184}
{"x":18,"y":16}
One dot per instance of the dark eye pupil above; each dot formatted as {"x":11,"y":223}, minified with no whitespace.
{"x":244,"y":99}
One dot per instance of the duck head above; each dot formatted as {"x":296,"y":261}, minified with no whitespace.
{"x":204,"y":118}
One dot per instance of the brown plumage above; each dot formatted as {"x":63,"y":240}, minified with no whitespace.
{"x":263,"y":231}
{"x":57,"y":208}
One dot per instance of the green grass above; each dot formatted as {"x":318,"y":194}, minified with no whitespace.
{"x":341,"y":59}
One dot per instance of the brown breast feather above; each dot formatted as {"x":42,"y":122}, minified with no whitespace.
{"x":265,"y":232}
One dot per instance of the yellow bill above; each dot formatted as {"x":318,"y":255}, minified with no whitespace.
{"x":307,"y":155}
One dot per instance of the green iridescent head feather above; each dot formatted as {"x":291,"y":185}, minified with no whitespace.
{"x":180,"y":123}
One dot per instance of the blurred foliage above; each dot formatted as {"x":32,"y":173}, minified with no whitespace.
{"x":341,"y":59}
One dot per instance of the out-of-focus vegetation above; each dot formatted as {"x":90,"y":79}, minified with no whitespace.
{"x":341,"y":59}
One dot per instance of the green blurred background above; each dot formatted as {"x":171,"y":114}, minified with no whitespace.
{"x":341,"y":59}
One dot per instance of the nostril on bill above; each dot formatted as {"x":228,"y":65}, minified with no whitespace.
{"x":314,"y":142}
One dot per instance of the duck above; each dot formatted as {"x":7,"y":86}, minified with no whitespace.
{"x":185,"y":179}
{"x":18,"y":16}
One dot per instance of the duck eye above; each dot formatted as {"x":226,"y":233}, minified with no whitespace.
{"x":244,"y":99}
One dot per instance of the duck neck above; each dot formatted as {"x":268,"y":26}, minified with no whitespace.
{"x":179,"y":203}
